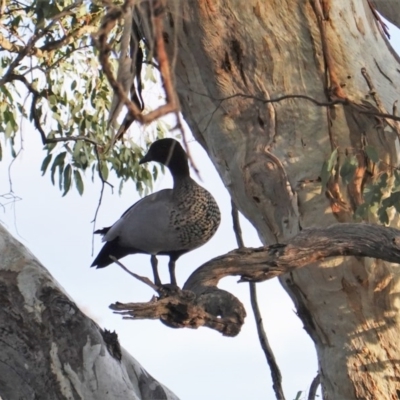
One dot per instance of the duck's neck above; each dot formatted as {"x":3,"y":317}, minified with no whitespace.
{"x":179,"y":169}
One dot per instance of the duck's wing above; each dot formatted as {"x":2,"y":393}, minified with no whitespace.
{"x":104,"y":230}
{"x":138,"y":229}
{"x":146,"y":225}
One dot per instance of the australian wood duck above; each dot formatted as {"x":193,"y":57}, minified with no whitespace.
{"x":169,"y":222}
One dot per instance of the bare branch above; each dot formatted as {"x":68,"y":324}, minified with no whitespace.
{"x":201,"y":295}
{"x":381,"y":115}
{"x":314,"y":386}
{"x":142,"y":279}
{"x":68,"y":39}
{"x":181,"y":309}
{"x":266,"y":347}
{"x":262,"y":335}
{"x":236,"y":225}
{"x":309,"y":246}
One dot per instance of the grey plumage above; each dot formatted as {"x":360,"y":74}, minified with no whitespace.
{"x":169,"y":222}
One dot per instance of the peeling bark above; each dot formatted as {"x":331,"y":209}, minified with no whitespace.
{"x":49,"y":349}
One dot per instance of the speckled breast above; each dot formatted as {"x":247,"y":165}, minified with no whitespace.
{"x":196,"y":216}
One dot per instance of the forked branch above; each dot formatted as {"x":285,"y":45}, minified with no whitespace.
{"x":201,"y":303}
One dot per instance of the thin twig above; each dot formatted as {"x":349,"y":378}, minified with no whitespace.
{"x":381,"y":115}
{"x":276,"y":99}
{"x":314,"y":386}
{"x":143,"y":279}
{"x":373,"y":92}
{"x":103,"y":184}
{"x":269,"y":354}
{"x":236,"y":225}
{"x":262,"y":336}
{"x":96,"y":213}
{"x":179,"y":126}
{"x":266,"y":101}
{"x":290,"y":96}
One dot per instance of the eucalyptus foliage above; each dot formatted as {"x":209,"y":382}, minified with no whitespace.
{"x":50,"y":75}
{"x":381,"y":192}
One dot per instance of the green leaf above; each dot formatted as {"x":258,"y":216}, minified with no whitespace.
{"x":298,"y":395}
{"x":9,"y":129}
{"x":104,"y":170}
{"x":362,"y":211}
{"x":372,"y":153}
{"x":78,"y":182}
{"x":397,"y":175}
{"x":332,"y":160}
{"x":395,"y":201}
{"x":347,"y":171}
{"x":58,"y":162}
{"x":372,"y":195}
{"x":121,"y":185}
{"x":52,"y":100}
{"x":67,"y":179}
{"x":13,"y":153}
{"x":46,"y":163}
{"x":149,"y":76}
{"x":383,"y":216}
{"x":324,"y":175}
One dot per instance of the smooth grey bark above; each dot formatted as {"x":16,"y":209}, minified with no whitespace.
{"x":229,"y":55}
{"x":49,"y":349}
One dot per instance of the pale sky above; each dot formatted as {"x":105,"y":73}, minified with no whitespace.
{"x":194,"y":364}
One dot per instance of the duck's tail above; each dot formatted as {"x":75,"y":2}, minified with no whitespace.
{"x":111,"y":248}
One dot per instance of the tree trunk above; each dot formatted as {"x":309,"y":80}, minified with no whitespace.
{"x":49,"y":349}
{"x":231,"y":55}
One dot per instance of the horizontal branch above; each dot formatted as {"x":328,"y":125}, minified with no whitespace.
{"x":201,"y":303}
{"x":67,"y":39}
{"x":309,"y":246}
{"x":70,"y":139}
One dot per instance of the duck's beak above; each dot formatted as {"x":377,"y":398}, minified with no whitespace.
{"x":145,"y":159}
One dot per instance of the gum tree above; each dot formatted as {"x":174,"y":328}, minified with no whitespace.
{"x":295,"y":103}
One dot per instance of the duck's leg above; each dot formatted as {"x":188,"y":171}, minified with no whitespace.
{"x":171,"y":267}
{"x":154,"y":263}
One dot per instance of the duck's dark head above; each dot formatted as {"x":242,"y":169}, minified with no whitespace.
{"x":170,"y":153}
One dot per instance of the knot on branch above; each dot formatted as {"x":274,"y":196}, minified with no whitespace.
{"x":177,"y":308}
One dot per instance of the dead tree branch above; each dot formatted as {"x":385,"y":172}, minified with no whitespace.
{"x":262,"y":335}
{"x":201,"y":303}
{"x":314,"y":387}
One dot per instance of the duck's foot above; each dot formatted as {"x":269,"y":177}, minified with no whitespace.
{"x":169,"y":289}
